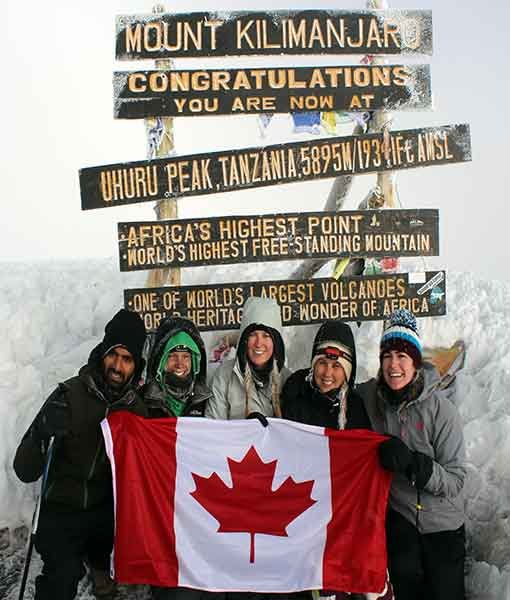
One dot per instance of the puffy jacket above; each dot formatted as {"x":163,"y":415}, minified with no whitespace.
{"x":80,"y":474}
{"x":153,"y":395}
{"x":304,"y":403}
{"x":229,"y":392}
{"x":154,"y":399}
{"x":430,"y":424}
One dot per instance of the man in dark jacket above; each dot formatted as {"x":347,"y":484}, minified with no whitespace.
{"x":76,"y":518}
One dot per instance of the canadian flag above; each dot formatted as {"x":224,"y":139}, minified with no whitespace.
{"x":231,"y":505}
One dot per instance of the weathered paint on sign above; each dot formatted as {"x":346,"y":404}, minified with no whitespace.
{"x":276,"y":32}
{"x":245,"y":168}
{"x":139,"y":94}
{"x":219,"y":306}
{"x":261,"y":238}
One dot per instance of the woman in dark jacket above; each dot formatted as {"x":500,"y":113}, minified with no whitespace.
{"x":323,"y":394}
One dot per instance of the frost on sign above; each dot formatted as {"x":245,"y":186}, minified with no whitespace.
{"x":278,"y":32}
{"x":139,"y":94}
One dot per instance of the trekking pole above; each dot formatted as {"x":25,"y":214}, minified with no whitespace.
{"x":35,"y":518}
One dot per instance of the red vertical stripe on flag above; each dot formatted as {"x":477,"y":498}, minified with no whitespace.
{"x":355,"y":552}
{"x":145,"y":468}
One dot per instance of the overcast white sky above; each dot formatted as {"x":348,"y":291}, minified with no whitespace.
{"x":57,"y":111}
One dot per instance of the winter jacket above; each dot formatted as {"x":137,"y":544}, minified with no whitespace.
{"x":153,"y":395}
{"x":154,"y":399}
{"x":80,"y":475}
{"x":430,"y":424}
{"x":304,"y":403}
{"x":229,"y":394}
{"x":228,"y":385}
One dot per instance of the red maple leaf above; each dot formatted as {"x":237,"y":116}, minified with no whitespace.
{"x":250,"y":505}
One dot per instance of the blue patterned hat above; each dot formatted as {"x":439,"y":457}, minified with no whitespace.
{"x":400,"y":332}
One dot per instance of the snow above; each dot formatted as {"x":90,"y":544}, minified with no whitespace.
{"x":53,"y":313}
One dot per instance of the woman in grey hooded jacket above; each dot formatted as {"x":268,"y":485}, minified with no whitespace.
{"x":251,"y":383}
{"x":425,"y":521}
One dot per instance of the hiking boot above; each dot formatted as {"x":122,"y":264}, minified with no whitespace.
{"x":103,"y":585}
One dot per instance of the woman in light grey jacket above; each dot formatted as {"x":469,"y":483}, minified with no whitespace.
{"x":425,"y":521}
{"x":251,"y":383}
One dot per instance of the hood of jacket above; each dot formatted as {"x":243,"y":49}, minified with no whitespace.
{"x":431,"y":382}
{"x":261,"y":313}
{"x":168,"y":329}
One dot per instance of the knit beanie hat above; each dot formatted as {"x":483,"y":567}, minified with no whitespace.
{"x":334,"y":351}
{"x":400,"y":332}
{"x":125,"y":329}
{"x":180,"y":342}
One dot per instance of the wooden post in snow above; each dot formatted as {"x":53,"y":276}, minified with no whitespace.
{"x":160,"y":143}
{"x":382,"y":122}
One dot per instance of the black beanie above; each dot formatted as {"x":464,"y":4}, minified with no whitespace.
{"x":125,"y":329}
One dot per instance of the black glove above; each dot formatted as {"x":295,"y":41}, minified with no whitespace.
{"x":260,"y":417}
{"x":395,"y":456}
{"x":54,"y":419}
{"x":420,"y":470}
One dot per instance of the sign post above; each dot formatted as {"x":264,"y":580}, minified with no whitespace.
{"x":160,"y":143}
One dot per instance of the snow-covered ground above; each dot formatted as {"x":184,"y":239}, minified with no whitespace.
{"x":51,"y":315}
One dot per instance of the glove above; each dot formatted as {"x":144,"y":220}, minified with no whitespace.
{"x":395,"y":456}
{"x":54,"y":419}
{"x":420,"y":470}
{"x":260,"y":417}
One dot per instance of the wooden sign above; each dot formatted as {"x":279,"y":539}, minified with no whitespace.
{"x":278,"y":32}
{"x":245,"y":168}
{"x":253,"y":238}
{"x":140,"y":94}
{"x":219,"y":306}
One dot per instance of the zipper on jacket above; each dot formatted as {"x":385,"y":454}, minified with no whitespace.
{"x":91,"y":472}
{"x":92,"y":468}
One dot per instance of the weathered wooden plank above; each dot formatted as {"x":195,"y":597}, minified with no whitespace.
{"x":261,"y":238}
{"x":139,"y":94}
{"x":245,"y":168}
{"x":273,"y":32}
{"x":219,"y":306}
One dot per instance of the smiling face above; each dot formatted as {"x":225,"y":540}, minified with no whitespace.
{"x":328,"y":374}
{"x":397,"y":368}
{"x":118,"y":367}
{"x":259,"y":349}
{"x":179,"y":363}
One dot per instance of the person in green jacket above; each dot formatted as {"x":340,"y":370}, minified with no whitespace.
{"x":176,"y":371}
